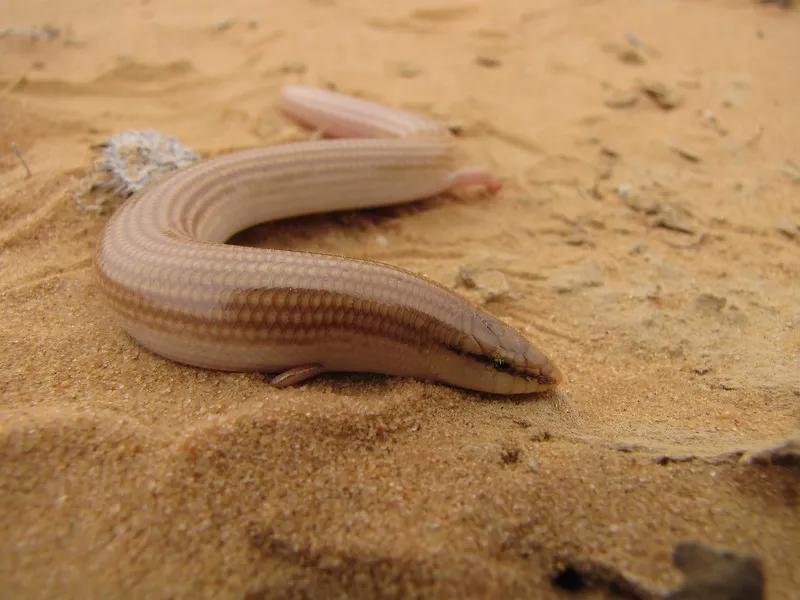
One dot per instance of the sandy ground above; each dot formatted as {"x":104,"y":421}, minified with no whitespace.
{"x":649,"y":235}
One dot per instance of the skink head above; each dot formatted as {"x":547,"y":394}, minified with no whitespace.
{"x":496,"y":358}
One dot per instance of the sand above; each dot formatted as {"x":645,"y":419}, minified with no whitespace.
{"x":647,"y":237}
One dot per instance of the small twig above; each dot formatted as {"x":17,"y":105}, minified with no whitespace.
{"x":684,"y":153}
{"x":18,"y":151}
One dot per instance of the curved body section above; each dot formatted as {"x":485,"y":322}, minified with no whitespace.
{"x":181,"y":292}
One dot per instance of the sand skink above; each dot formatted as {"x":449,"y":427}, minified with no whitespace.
{"x":183,"y":293}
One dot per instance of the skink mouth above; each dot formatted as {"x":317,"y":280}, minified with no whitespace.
{"x":548,"y":375}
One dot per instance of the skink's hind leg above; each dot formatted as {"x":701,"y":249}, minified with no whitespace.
{"x":296,"y":375}
{"x":477,"y":175}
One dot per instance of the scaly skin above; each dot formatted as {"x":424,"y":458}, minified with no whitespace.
{"x":181,"y":292}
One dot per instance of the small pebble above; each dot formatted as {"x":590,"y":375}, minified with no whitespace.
{"x":664,"y":96}
{"x":489,"y":62}
{"x":621,"y":99}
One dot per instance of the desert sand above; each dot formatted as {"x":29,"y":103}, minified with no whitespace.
{"x":647,"y":237}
